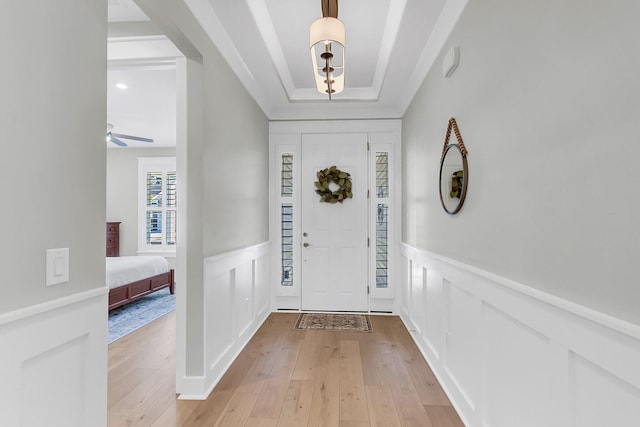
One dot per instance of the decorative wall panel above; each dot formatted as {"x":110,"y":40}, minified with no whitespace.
{"x":509,"y":355}
{"x":236,"y":303}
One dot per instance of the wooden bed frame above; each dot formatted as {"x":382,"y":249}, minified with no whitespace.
{"x":135,"y":290}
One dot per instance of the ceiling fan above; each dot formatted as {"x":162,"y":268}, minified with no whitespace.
{"x":115,"y":137}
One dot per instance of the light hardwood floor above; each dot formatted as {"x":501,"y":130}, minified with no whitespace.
{"x":283,"y":377}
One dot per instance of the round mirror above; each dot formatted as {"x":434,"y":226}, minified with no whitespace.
{"x":454,"y":176}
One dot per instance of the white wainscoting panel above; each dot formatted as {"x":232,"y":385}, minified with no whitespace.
{"x":515,"y":372}
{"x":434,"y":312}
{"x":236,"y":304}
{"x":509,"y":355}
{"x":53,"y":363}
{"x":461,"y":340}
{"x":593,"y":389}
{"x":417,"y":299}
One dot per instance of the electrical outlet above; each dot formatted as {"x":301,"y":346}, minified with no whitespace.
{"x":57,"y":266}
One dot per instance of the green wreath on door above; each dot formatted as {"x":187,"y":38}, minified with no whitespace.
{"x":338,"y":177}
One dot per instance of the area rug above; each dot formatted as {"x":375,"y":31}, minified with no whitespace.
{"x":334,"y":322}
{"x":126,"y":319}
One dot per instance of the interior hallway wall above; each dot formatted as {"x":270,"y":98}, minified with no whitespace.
{"x":53,"y":163}
{"x":227,"y":162}
{"x":53,"y":357}
{"x":546,"y":97}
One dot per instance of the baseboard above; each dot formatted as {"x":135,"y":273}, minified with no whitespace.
{"x":193,"y":388}
{"x":200,"y":387}
{"x":507,"y":354}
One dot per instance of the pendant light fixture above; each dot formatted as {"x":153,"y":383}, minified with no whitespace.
{"x":326,"y":39}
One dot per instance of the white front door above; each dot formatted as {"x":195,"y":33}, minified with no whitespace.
{"x":334,"y":236}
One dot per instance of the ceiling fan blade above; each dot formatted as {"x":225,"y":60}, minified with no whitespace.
{"x":135,"y":138}
{"x":117,"y":141}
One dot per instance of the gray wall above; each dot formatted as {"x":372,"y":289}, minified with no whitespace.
{"x":122,"y":191}
{"x":52,"y":154}
{"x":236,"y":164}
{"x":546,"y":97}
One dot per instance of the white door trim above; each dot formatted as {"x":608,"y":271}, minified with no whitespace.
{"x":286,"y":137}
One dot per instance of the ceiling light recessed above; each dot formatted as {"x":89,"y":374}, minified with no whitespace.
{"x":122,"y":86}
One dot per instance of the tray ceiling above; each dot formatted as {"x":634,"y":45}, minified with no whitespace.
{"x":390,"y":45}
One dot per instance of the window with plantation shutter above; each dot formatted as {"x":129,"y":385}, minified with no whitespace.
{"x":158,"y":205}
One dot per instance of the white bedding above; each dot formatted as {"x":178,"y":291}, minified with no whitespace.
{"x":127,"y":269}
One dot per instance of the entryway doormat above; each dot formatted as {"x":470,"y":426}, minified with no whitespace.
{"x":334,"y":322}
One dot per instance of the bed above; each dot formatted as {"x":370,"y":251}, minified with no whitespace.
{"x":132,"y":277}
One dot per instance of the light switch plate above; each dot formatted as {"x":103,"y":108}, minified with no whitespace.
{"x":57,"y":266}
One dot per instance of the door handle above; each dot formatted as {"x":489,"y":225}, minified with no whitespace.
{"x":306,"y":245}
